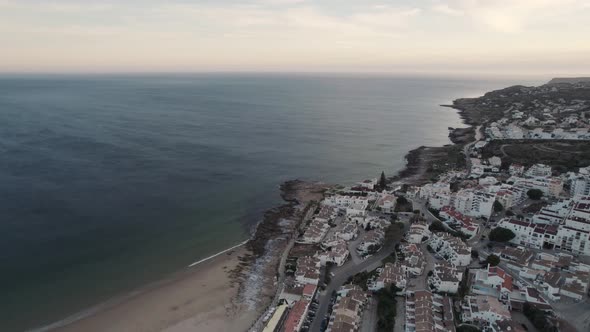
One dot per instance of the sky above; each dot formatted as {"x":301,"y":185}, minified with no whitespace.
{"x":528,"y":37}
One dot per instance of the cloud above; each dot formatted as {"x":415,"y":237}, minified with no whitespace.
{"x":281,"y":2}
{"x":445,"y":9}
{"x":508,"y":16}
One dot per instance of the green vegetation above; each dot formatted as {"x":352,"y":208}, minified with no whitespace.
{"x":534,"y":194}
{"x":539,"y":318}
{"x":382,"y":184}
{"x":403,"y":205}
{"x":563,"y":156}
{"x":498,"y":206}
{"x":464,"y":285}
{"x":493,"y":260}
{"x":389,"y":259}
{"x":360,"y":279}
{"x":394,"y":232}
{"x":509,"y":213}
{"x":501,"y":234}
{"x":386,"y":309}
{"x":442,"y":159}
{"x":434,"y":212}
{"x":534,"y":207}
{"x":437,"y":226}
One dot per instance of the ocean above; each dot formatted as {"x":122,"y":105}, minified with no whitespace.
{"x":110,"y":182}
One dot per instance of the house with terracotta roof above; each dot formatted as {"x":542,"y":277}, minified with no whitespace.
{"x":516,"y":258}
{"x":428,"y":312}
{"x":308,"y":270}
{"x":455,"y":218}
{"x":418,"y":231}
{"x":296,"y":316}
{"x":413,"y":261}
{"x":484,"y":311}
{"x":347,"y":311}
{"x":493,"y":281}
{"x":575,"y":285}
{"x":389,"y":274}
{"x":386,"y":203}
{"x":337,"y":254}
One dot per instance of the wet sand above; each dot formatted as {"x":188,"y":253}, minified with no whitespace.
{"x":202,"y":298}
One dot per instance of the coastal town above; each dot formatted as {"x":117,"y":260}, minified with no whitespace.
{"x":498,"y":241}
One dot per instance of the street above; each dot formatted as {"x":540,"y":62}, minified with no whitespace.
{"x":341,"y":275}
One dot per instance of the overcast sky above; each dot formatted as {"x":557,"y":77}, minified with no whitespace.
{"x":542,"y":37}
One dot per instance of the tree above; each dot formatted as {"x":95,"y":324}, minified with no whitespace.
{"x":493,"y":260}
{"x":386,"y":308}
{"x":437,"y":226}
{"x":539,"y":318}
{"x":509,"y":213}
{"x":402,"y":200}
{"x":535,"y":194}
{"x":382,"y":181}
{"x":498,"y":206}
{"x":501,"y":234}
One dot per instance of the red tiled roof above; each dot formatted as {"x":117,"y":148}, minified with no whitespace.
{"x":295,"y":316}
{"x":309,"y":290}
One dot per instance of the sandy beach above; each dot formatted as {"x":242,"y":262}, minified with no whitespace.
{"x":200,"y":299}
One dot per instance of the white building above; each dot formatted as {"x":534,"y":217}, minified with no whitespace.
{"x":495,"y":161}
{"x":431,"y":189}
{"x":580,"y":185}
{"x":417,"y":232}
{"x":386,"y":203}
{"x":474,"y":203}
{"x":572,"y":233}
{"x":308,"y":270}
{"x":389,"y":274}
{"x":454,"y":218}
{"x":445,"y":278}
{"x":516,"y":169}
{"x":451,"y":248}
{"x":484,"y":310}
{"x":539,"y":170}
{"x":337,"y":254}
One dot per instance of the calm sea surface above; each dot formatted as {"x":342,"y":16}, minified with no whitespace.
{"x":110,"y":182}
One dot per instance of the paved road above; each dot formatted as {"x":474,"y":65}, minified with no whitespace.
{"x":341,"y":276}
{"x":259,"y":324}
{"x":369,"y":321}
{"x":400,"y":316}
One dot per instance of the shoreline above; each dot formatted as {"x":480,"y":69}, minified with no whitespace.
{"x":121,"y":299}
{"x":226,"y":274}
{"x":416,"y":171}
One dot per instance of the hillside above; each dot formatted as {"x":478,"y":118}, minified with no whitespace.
{"x":571,"y":80}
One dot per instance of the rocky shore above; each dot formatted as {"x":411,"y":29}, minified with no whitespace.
{"x":425,"y":163}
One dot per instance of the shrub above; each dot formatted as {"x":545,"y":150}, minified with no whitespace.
{"x":493,"y":260}
{"x":535,"y":194}
{"x":501,"y":234}
{"x":498,"y":206}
